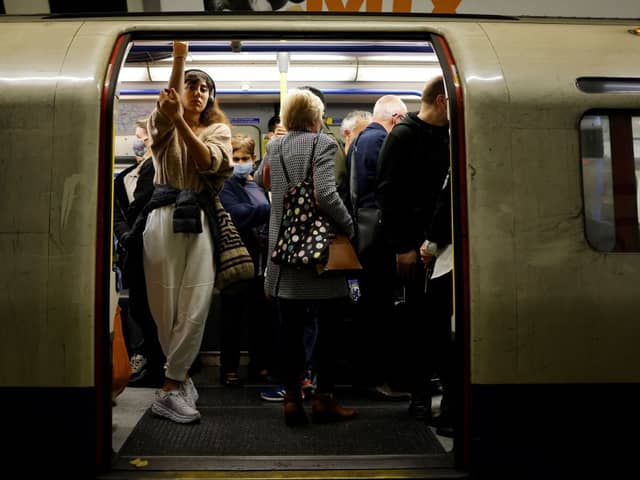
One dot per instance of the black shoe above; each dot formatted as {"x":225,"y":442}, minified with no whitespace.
{"x":439,"y":421}
{"x":231,"y":379}
{"x":436,"y":386}
{"x":420,"y":409}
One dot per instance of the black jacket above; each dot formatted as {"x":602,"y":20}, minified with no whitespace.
{"x":440,"y":228}
{"x":125,"y":213}
{"x":124,"y":216}
{"x":413,"y":162}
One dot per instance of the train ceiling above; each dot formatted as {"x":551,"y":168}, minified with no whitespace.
{"x":244,"y":69}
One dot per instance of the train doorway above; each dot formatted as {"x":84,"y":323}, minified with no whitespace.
{"x":239,"y":428}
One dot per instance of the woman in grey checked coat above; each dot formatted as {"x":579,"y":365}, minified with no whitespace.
{"x":301,"y":292}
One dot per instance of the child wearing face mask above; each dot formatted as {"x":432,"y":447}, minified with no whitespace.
{"x":249,"y":207}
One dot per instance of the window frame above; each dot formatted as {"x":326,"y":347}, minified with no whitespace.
{"x":623,"y":177}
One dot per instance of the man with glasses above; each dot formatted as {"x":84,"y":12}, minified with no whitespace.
{"x":413,"y":165}
{"x":374,"y":309}
{"x":387,"y":112}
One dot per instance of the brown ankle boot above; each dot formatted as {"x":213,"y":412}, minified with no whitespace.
{"x":325,"y":409}
{"x":293,"y":410}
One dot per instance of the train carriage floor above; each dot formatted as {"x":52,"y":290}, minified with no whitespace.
{"x":239,"y":431}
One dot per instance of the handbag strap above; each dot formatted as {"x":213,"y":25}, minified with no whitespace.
{"x":353,"y":180}
{"x":353,"y":175}
{"x":309,"y":174}
{"x":286,"y":175}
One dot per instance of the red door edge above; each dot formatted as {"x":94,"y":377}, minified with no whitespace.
{"x":461,"y":242}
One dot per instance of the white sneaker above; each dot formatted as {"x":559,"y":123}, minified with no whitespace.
{"x":174,"y":406}
{"x":189,"y":391}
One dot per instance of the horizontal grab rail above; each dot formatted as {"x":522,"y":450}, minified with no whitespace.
{"x":328,"y":91}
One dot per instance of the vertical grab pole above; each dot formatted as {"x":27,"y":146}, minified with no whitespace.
{"x":283,"y":67}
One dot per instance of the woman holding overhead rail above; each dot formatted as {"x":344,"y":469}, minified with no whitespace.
{"x":191,"y":144}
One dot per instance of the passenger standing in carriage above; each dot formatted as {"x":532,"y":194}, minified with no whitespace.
{"x":299,"y":292}
{"x":249,"y":207}
{"x":436,"y":252}
{"x":132,"y":190}
{"x":374,"y":309}
{"x":413,"y":163}
{"x":191,"y":144}
{"x":311,"y":325}
{"x":352,"y":124}
{"x":262,"y":176}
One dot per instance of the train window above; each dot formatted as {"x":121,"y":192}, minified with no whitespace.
{"x":597,"y":182}
{"x":610,"y":152}
{"x":635,"y":129}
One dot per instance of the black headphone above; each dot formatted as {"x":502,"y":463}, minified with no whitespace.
{"x":209,"y":80}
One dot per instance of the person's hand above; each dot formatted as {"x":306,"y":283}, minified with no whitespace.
{"x":407,"y":265}
{"x":170,"y":104}
{"x":180,"y":49}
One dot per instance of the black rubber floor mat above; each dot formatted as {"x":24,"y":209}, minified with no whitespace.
{"x":237,"y":422}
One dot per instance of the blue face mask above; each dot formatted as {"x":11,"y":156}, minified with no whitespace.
{"x":242,"y":169}
{"x":138,"y":147}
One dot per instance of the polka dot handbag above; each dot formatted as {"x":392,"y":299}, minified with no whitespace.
{"x":305,"y":233}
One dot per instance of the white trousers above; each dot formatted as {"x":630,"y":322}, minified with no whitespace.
{"x":179,"y":274}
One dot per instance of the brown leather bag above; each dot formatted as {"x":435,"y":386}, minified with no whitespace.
{"x":342,"y":257}
{"x":121,"y":368}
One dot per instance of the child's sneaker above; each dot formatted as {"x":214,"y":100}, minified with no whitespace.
{"x":275,"y":394}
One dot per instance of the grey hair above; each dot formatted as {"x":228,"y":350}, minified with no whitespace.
{"x":349,"y":122}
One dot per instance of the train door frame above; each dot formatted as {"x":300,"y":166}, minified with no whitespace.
{"x":104,"y":254}
{"x":460,"y":238}
{"x":462,"y":440}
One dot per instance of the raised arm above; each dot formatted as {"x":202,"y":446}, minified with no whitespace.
{"x":176,"y":80}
